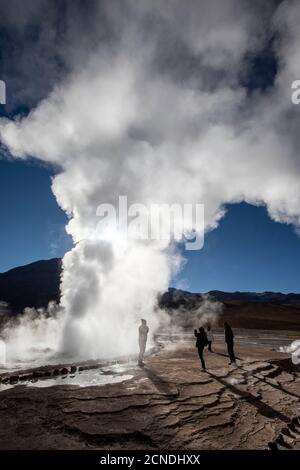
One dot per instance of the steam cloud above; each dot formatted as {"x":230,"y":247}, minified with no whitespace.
{"x":2,"y":352}
{"x":32,"y":336}
{"x":153,"y":104}
{"x":294,"y":350}
{"x":182,"y":319}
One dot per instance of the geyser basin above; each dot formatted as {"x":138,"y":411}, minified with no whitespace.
{"x":92,"y":376}
{"x":84,"y":374}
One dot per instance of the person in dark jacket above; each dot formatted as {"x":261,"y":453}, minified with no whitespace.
{"x":229,"y":341}
{"x":200,"y":344}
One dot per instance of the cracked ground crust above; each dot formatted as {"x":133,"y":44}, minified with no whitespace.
{"x":169,"y":404}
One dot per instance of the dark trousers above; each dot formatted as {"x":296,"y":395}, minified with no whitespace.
{"x":230,"y":351}
{"x":200,"y":352}
{"x":209,"y":345}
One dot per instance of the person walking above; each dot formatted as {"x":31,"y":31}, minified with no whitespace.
{"x":229,"y":341}
{"x":143,"y":334}
{"x":200,"y":344}
{"x":210,"y":337}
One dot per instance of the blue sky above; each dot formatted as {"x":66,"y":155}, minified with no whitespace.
{"x":248,"y":251}
{"x":32,"y":224}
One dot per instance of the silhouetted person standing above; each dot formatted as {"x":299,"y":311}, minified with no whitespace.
{"x":143,"y":333}
{"x":229,"y":340}
{"x":210,"y":337}
{"x":200,"y":344}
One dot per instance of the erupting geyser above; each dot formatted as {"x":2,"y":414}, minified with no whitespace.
{"x":129,"y":119}
{"x":113,"y":289}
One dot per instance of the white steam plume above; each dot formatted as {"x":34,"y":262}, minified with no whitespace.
{"x":156,"y":111}
{"x":185,"y":319}
{"x":294,"y":350}
{"x":2,"y":353}
{"x":32,"y":336}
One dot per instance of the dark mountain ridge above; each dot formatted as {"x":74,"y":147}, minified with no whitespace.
{"x":36,"y":284}
{"x":176,"y":297}
{"x":32,"y":285}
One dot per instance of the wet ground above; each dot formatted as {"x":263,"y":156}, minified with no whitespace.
{"x":168,"y":404}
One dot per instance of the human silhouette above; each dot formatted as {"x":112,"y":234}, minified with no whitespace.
{"x":143,"y":333}
{"x":210,"y":337}
{"x":229,"y":340}
{"x":201,"y":343}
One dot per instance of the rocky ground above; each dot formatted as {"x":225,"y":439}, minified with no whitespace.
{"x":169,"y":404}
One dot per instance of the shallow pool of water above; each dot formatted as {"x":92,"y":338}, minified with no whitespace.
{"x":86,"y":378}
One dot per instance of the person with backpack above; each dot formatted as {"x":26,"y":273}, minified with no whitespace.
{"x":200,"y":344}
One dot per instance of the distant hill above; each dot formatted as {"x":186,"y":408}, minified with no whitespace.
{"x":269,"y":311}
{"x":36,"y":284}
{"x":33,"y":285}
{"x":270,"y":297}
{"x":175,"y":297}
